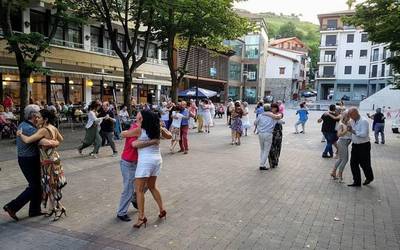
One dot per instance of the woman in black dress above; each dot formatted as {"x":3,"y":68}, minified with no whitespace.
{"x":276,"y":146}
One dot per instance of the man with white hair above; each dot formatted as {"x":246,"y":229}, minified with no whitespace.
{"x":361,"y":149}
{"x":29,"y":162}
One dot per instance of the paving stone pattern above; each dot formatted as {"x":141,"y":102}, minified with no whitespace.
{"x":217,"y":198}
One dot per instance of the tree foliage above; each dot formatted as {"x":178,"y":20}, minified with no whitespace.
{"x":136,"y":19}
{"x":197,"y":23}
{"x":381,"y":19}
{"x":28,"y":48}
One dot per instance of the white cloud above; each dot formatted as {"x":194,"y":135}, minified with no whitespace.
{"x":308,"y":8}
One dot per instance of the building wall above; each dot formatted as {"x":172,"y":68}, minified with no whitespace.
{"x":274,"y":63}
{"x":279,"y":88}
{"x":356,"y":84}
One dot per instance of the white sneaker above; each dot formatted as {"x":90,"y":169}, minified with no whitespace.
{"x":94,"y":155}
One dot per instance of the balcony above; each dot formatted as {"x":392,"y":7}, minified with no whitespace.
{"x":326,"y":76}
{"x":103,"y":51}
{"x":67,"y":44}
{"x":333,"y":27}
{"x":328,"y":59}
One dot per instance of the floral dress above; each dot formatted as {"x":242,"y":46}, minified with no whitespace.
{"x":237,"y":125}
{"x":53,"y":179}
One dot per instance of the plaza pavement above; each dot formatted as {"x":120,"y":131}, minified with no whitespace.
{"x":217,"y":198}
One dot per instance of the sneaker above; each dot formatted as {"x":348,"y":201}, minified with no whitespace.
{"x":93,"y":155}
{"x":114,"y":154}
{"x":376,"y":142}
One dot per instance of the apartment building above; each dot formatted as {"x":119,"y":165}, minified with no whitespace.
{"x":82,"y":64}
{"x":287,"y":65}
{"x":350,"y":66}
{"x":246,"y":78}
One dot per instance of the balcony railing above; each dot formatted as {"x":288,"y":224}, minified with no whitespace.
{"x":67,"y":44}
{"x":329,"y":58}
{"x":327,"y":76}
{"x":333,"y":27}
{"x":329,"y":44}
{"x":103,"y":51}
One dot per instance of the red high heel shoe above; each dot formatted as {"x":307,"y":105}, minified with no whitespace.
{"x":163,"y":214}
{"x":141,"y":222}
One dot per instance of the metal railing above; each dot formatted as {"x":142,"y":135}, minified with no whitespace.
{"x":329,"y":58}
{"x":67,"y":44}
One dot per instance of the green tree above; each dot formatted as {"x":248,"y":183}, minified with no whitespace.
{"x":381,"y":19}
{"x":289,"y":30}
{"x":136,"y":19}
{"x":28,"y":48}
{"x":187,"y":23}
{"x":350,"y":3}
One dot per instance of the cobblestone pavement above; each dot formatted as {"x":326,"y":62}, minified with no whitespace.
{"x":217,"y":198}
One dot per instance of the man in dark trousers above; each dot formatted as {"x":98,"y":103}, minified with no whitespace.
{"x":107,"y":126}
{"x":29,"y":162}
{"x":328,"y":129}
{"x":361,"y":149}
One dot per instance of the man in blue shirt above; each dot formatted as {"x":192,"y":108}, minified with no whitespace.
{"x":29,"y":162}
{"x":183,"y":143}
{"x":303,"y":117}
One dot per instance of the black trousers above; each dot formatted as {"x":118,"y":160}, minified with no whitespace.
{"x":30,"y":167}
{"x":361,"y":157}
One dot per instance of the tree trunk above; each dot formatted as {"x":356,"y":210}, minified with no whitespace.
{"x":174,"y":87}
{"x":127,"y":87}
{"x":24,"y":76}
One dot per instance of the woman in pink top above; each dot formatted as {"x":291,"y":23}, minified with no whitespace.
{"x":128,"y":163}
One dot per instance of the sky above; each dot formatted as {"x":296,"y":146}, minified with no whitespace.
{"x":308,"y":8}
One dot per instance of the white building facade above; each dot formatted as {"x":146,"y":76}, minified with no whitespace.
{"x":350,"y":65}
{"x":285,"y":73}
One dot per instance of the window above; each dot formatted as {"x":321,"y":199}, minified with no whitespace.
{"x":330,"y":40}
{"x":349,"y":54}
{"x":363,"y":53}
{"x":374,"y":72}
{"x":332,"y":24}
{"x":121,"y":42}
{"x":252,"y":40}
{"x":362,"y":70}
{"x":350,"y":38}
{"x":364,"y":38}
{"x":383,"y":70}
{"x":152,"y":52}
{"x":329,"y":71}
{"x":347,"y":70}
{"x":94,"y":37}
{"x":375,"y":55}
{"x":234,"y":71}
{"x":252,"y":70}
{"x":281,"y":70}
{"x":38,"y":22}
{"x":252,"y":51}
{"x":330,"y":56}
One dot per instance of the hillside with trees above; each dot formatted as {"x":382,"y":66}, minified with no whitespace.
{"x":281,"y":26}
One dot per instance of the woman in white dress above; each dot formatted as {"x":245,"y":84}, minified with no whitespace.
{"x":245,"y":118}
{"x":207,"y":116}
{"x":212,"y":112}
{"x":148,"y":165}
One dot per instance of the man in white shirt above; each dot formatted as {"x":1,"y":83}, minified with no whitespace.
{"x":361,"y":149}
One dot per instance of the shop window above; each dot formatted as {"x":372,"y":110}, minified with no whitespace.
{"x":343,"y":88}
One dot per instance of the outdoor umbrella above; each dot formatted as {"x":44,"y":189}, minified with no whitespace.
{"x":203,"y":93}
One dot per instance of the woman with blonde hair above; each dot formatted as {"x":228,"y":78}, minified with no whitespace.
{"x":343,"y":146}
